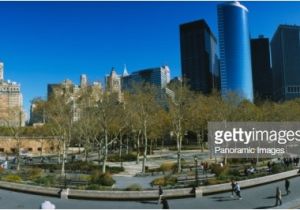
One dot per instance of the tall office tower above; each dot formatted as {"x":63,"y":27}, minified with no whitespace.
{"x":261,"y":68}
{"x":83,"y":80}
{"x":158,"y":77}
{"x":1,"y":71}
{"x":285,"y":50}
{"x":113,"y":82}
{"x":199,"y":61}
{"x":11,"y":103}
{"x":234,"y":42}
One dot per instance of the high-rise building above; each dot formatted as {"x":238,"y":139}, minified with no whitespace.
{"x":1,"y":71}
{"x":73,"y":91}
{"x":83,"y":81}
{"x":235,"y":57}
{"x":285,"y":51}
{"x":113,"y":82}
{"x":199,"y":61}
{"x":159,"y":77}
{"x":11,"y":102}
{"x":261,"y":68}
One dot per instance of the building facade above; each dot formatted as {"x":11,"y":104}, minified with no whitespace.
{"x":285,"y":50}
{"x":11,"y":102}
{"x":235,"y":57}
{"x":261,"y":68}
{"x":199,"y":61}
{"x":73,"y":91}
{"x":29,"y":145}
{"x":159,"y":77}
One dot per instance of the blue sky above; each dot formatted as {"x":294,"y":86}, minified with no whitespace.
{"x":47,"y":42}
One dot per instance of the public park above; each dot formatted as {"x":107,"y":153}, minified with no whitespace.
{"x":141,"y":139}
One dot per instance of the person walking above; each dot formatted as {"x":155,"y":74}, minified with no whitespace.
{"x":160,"y":194}
{"x":165,"y":204}
{"x":232,"y":188}
{"x":278,"y":197}
{"x":287,"y":186}
{"x":237,"y":190}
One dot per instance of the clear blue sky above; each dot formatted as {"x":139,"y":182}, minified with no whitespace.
{"x":47,"y":42}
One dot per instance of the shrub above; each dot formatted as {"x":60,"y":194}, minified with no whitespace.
{"x":168,"y":166}
{"x":134,"y":187}
{"x":234,"y":172}
{"x":47,"y":181}
{"x":12,"y":178}
{"x":94,"y":187}
{"x":164,"y":181}
{"x":33,"y":173}
{"x":101,"y":179}
{"x":218,"y":170}
{"x":277,"y":168}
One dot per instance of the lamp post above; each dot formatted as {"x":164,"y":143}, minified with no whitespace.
{"x":196,"y":171}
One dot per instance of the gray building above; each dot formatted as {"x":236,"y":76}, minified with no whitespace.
{"x":285,"y":48}
{"x":199,"y":61}
{"x":159,"y":77}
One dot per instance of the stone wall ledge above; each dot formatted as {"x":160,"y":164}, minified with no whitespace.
{"x":146,"y":194}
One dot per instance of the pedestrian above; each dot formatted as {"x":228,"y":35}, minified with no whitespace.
{"x":165,"y":204}
{"x":238,"y":190}
{"x":160,"y":194}
{"x":232,"y":188}
{"x":287,"y":186}
{"x":278,"y":196}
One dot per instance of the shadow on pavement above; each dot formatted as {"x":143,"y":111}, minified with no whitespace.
{"x":270,"y":197}
{"x":265,"y":207}
{"x":149,"y":202}
{"x":223,"y":198}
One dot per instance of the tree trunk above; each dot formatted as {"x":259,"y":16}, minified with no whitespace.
{"x":145,"y":147}
{"x":138,"y":149}
{"x":127,"y":146}
{"x":105,"y":151}
{"x":63,"y":159}
{"x":179,"y":140}
{"x":120,"y":151}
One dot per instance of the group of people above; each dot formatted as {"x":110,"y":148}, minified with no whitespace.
{"x":291,"y":161}
{"x":235,"y":188}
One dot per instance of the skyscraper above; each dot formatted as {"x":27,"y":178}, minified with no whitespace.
{"x":83,"y":81}
{"x":1,"y":71}
{"x":199,"y":61}
{"x":285,"y":48}
{"x":159,"y":77}
{"x":11,"y":102}
{"x":261,"y":68}
{"x":234,"y":42}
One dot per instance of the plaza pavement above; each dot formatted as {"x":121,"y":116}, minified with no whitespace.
{"x":256,"y":197}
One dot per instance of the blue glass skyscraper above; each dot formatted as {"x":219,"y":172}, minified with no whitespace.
{"x":235,"y":56}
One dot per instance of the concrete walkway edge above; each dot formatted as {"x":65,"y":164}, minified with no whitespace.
{"x":146,"y":194}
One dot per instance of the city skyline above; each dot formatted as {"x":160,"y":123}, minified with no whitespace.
{"x":73,"y":38}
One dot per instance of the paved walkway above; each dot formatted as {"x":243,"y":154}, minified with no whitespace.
{"x":259,"y":197}
{"x":126,"y":178}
